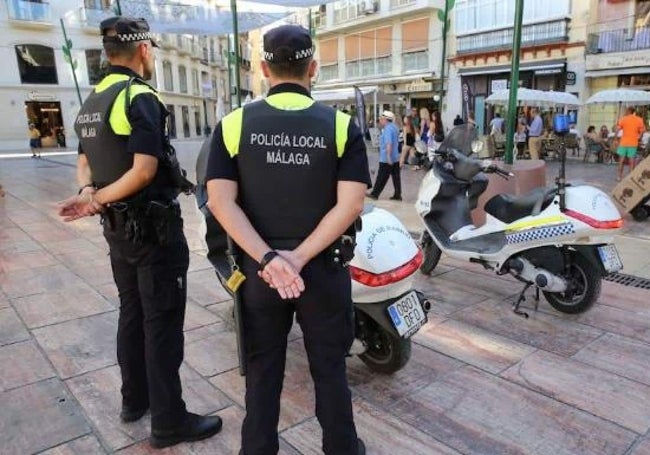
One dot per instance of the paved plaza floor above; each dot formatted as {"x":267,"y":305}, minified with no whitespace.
{"x":481,"y":380}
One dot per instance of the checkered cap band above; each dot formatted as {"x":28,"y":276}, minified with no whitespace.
{"x":129,"y":37}
{"x":531,"y":235}
{"x":298,"y":55}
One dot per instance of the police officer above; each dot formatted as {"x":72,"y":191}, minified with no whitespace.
{"x":286,"y":178}
{"x":125,"y":173}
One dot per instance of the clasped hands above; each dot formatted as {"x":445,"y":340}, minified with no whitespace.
{"x":282,"y":273}
{"x":79,"y":206}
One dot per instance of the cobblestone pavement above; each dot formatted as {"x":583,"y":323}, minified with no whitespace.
{"x":481,"y":380}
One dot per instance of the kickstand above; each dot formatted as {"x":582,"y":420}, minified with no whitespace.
{"x":521,"y":298}
{"x":536,"y":298}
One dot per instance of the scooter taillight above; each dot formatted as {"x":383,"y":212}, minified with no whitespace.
{"x":609,"y":224}
{"x":392,"y":276}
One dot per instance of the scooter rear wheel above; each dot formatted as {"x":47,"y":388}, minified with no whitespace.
{"x":385,"y":353}
{"x":640,"y":213}
{"x":431,"y":254}
{"x":585,"y":280}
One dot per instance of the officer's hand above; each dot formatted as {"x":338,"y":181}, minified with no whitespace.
{"x":281,"y":276}
{"x":294,"y":259}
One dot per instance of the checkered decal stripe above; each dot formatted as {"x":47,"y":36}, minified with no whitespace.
{"x":125,"y":38}
{"x":299,"y":55}
{"x":540,"y":233}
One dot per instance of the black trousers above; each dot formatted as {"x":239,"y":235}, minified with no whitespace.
{"x":324,"y":312}
{"x":152,"y":284}
{"x":388,"y":170}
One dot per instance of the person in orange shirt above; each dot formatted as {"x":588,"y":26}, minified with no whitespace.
{"x":632,"y":127}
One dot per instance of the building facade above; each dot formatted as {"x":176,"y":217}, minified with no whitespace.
{"x":389,"y":46}
{"x":552,"y":52}
{"x":617,"y":52}
{"x":37,"y":82}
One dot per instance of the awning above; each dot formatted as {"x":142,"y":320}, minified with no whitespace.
{"x":541,"y":67}
{"x":617,"y":72}
{"x":341,"y":94}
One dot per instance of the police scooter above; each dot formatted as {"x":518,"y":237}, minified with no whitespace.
{"x":557,"y":239}
{"x":388,"y":310}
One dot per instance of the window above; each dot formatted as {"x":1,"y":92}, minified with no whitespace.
{"x":185,"y":112}
{"x":36,"y":64}
{"x":94,"y":65}
{"x":369,"y":53}
{"x":475,"y":15}
{"x":182,"y":78}
{"x":98,"y":4}
{"x":195,"y":83}
{"x":168,"y":76}
{"x":171,"y":121}
{"x":415,"y":45}
{"x":329,"y":72}
{"x":197,"y":121}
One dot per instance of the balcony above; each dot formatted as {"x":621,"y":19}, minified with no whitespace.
{"x":355,"y":9}
{"x":531,"y":35}
{"x":216,"y":59}
{"x":394,"y":4}
{"x":368,"y":67}
{"x":328,"y":72}
{"x":24,"y":11}
{"x":621,"y":40}
{"x":415,"y":61}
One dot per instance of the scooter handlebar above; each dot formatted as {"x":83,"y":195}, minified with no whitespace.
{"x":490,"y":167}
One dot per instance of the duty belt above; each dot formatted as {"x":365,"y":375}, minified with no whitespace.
{"x":147,"y":220}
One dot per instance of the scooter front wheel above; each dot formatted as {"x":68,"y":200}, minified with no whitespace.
{"x":384,"y":352}
{"x":585,"y":282}
{"x":431,"y":254}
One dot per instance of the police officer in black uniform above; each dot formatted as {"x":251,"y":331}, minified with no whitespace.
{"x":126,"y":172}
{"x":286,"y":178}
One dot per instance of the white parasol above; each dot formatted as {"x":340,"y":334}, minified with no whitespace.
{"x":621,"y":96}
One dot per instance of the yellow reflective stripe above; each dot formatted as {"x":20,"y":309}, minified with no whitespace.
{"x":289,"y":101}
{"x":110,"y":80}
{"x":342,"y":124}
{"x":118,"y":120}
{"x":231,"y":126}
{"x":520,"y":225}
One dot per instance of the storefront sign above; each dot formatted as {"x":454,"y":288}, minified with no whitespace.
{"x":36,"y":96}
{"x":604,"y":61}
{"x":418,"y":86}
{"x":570,"y":78}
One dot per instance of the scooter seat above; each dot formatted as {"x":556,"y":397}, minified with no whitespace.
{"x":509,"y":208}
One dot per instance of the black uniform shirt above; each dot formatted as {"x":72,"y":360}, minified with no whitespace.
{"x":145,"y":118}
{"x":352,"y":165}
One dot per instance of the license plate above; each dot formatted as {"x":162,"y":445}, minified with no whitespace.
{"x":610,"y":258}
{"x":407,"y":314}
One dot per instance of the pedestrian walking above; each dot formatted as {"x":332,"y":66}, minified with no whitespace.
{"x":497,"y":124}
{"x":408,"y":149}
{"x":125,"y":170}
{"x":535,"y":131}
{"x":388,"y":158}
{"x":34,"y":140}
{"x":632,"y":129}
{"x":286,"y":178}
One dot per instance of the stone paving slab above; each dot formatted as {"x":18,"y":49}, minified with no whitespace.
{"x":86,"y":445}
{"x":477,"y":413}
{"x":12,"y":329}
{"x":32,"y":367}
{"x":541,"y":330}
{"x":588,"y":388}
{"x":619,"y":355}
{"x":81,"y":345}
{"x":43,"y":309}
{"x":642,"y":448}
{"x":39,"y":416}
{"x":483,"y":349}
{"x":382,"y":433}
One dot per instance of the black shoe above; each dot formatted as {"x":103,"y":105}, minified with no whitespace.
{"x":396,"y":198}
{"x":129,"y":414}
{"x":33,"y":155}
{"x":361,"y":446}
{"x":195,"y":428}
{"x":372,"y":196}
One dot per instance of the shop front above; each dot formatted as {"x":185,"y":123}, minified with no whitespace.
{"x":617,"y":70}
{"x":477,"y":84}
{"x":48,"y":119}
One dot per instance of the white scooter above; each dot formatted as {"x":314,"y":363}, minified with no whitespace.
{"x":557,"y":239}
{"x":388,"y":310}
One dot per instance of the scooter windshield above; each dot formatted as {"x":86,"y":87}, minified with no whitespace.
{"x":460,"y":138}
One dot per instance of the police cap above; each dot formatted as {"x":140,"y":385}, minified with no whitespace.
{"x":127,"y":30}
{"x":287,"y":43}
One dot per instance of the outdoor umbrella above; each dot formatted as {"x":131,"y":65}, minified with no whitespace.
{"x":563,"y":99}
{"x":621,"y":96}
{"x":524,"y":96}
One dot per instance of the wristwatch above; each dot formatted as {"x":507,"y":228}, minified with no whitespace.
{"x":268,"y":257}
